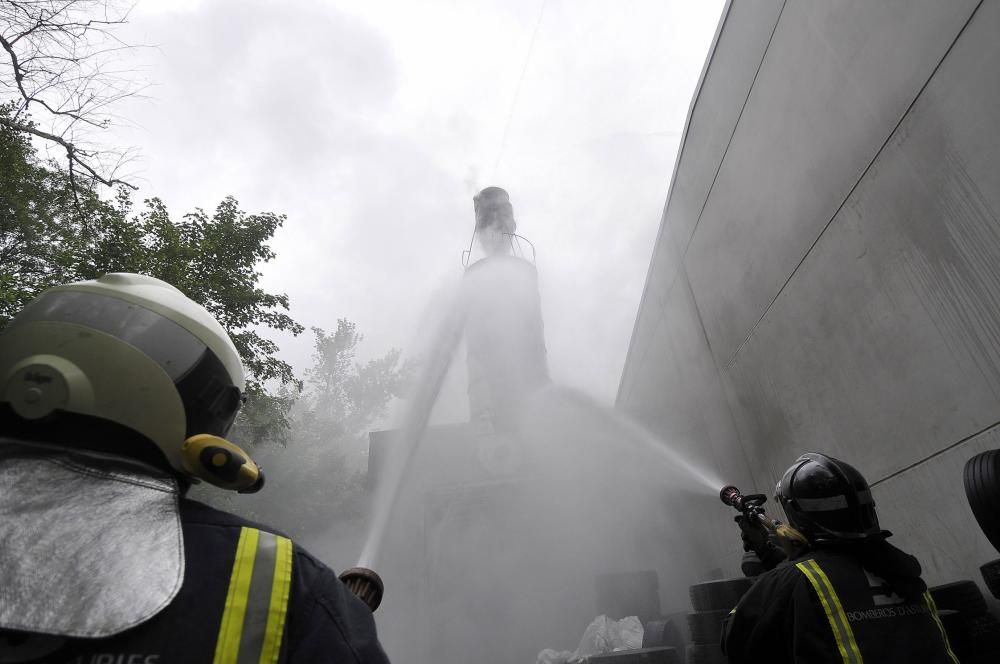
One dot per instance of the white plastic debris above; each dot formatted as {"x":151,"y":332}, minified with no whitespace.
{"x":628,"y":634}
{"x":602,"y":636}
{"x":549,"y":656}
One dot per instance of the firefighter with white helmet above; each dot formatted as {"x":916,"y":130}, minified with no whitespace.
{"x":116,"y":395}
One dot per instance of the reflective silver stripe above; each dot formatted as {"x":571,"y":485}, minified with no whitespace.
{"x":831,"y":503}
{"x":822,"y":504}
{"x":258,"y":599}
{"x":253,"y":621}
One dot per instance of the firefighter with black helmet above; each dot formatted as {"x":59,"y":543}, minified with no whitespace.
{"x":837,"y":591}
{"x":116,"y":395}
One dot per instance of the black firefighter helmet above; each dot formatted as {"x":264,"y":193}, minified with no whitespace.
{"x":827,"y":500}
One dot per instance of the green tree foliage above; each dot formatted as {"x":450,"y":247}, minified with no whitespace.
{"x":36,"y":243}
{"x":343,"y":397}
{"x":50,"y":234}
{"x":320,"y":471}
{"x":213,"y":260}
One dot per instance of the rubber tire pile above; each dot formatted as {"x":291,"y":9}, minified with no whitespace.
{"x":991,"y":577}
{"x":982,"y":487}
{"x":712,"y":601}
{"x":974,"y":633}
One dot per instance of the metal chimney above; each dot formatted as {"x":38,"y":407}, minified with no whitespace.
{"x":503,"y":323}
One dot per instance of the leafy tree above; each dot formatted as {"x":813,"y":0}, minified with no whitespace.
{"x":344,"y":397}
{"x":213,"y":260}
{"x":33,"y":235}
{"x":51,"y":234}
{"x":319,"y":472}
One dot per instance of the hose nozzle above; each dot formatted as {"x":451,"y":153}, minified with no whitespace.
{"x":731,"y":496}
{"x":751,"y":505}
{"x":365,"y":584}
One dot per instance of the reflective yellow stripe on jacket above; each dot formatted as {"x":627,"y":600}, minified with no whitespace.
{"x":937,"y":620}
{"x":842,"y":632}
{"x":253,"y":619}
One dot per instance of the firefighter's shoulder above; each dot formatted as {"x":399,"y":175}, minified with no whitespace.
{"x":782,"y":580}
{"x":330,"y":624}
{"x":325,"y":622}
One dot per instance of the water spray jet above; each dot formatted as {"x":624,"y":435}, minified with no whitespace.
{"x":492,"y":507}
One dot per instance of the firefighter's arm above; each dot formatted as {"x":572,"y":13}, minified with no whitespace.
{"x":757,"y":629}
{"x":329,"y":624}
{"x":757,"y":538}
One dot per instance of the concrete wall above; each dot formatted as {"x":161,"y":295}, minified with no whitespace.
{"x":827,"y":272}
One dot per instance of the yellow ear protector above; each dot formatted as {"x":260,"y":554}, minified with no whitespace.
{"x":787,"y":532}
{"x":784,"y":531}
{"x":222,"y":463}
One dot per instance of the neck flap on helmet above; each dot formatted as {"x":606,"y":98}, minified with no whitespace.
{"x":92,"y":546}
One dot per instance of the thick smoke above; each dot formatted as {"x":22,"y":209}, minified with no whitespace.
{"x":493,"y":535}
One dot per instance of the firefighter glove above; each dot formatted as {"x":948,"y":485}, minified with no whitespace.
{"x":754,"y":535}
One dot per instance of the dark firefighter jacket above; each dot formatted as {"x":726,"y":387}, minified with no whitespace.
{"x":824,"y":607}
{"x":248,"y":596}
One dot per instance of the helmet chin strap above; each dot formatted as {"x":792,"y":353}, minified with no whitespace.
{"x":221,"y":463}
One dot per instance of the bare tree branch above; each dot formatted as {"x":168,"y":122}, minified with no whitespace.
{"x":60,"y":57}
{"x":74,"y":155}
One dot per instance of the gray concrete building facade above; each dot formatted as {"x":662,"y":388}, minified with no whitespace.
{"x":827,"y":271}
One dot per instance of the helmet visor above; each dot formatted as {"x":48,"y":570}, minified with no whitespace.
{"x":210,"y":398}
{"x":168,"y":344}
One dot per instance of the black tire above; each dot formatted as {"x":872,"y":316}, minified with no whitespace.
{"x":950,"y":619}
{"x":705,"y":654}
{"x":660,"y":633}
{"x":962,"y":596}
{"x":991,"y":576}
{"x":751,"y":565}
{"x":954,"y":626}
{"x":982,"y":488}
{"x":706,"y":626}
{"x":718,"y":595}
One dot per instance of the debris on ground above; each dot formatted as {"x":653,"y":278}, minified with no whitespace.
{"x":602,"y":636}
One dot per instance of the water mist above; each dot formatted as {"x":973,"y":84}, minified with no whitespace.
{"x":490,"y":534}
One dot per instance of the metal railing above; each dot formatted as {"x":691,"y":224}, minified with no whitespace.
{"x":516,"y":249}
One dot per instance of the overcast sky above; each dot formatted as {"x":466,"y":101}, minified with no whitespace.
{"x":371,"y":123}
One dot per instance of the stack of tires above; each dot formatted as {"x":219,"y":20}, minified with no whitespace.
{"x":712,"y":601}
{"x":981,"y":477}
{"x":668,"y":631}
{"x":973,"y":631}
{"x":991,"y":577}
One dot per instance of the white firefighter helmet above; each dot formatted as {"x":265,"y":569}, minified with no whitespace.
{"x":127,"y":364}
